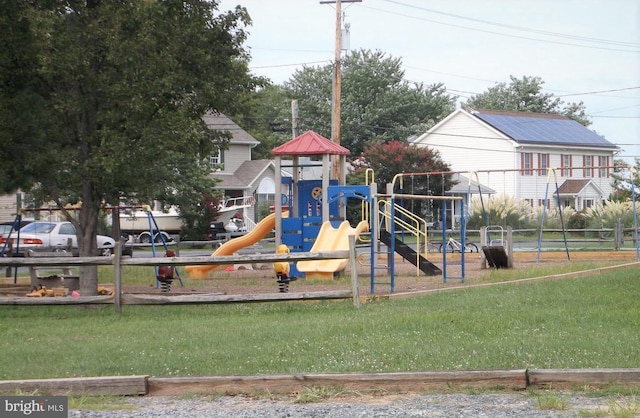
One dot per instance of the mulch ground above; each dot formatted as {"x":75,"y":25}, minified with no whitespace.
{"x":407,"y":278}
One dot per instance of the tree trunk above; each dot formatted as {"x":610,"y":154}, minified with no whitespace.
{"x":87,"y":245}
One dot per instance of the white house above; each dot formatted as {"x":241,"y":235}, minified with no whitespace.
{"x":511,"y":153}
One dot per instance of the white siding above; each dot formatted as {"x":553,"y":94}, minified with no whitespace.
{"x":542,"y":184}
{"x":467,"y":144}
{"x":8,"y":207}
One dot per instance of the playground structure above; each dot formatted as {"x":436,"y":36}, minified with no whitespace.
{"x":316,"y":220}
{"x":303,"y":210}
{"x":309,"y":215}
{"x":331,"y":239}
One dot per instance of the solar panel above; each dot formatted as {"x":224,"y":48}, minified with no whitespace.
{"x":543,"y":130}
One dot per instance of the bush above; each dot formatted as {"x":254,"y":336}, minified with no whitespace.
{"x":503,"y":210}
{"x":552,"y":218}
{"x":608,"y":214}
{"x":577,"y":221}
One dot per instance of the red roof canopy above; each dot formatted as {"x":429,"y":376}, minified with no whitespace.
{"x":310,"y":143}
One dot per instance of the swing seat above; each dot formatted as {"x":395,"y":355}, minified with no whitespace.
{"x":496,"y":256}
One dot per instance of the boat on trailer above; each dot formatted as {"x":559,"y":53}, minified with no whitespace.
{"x":134,"y":220}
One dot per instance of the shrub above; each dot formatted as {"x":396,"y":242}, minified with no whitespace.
{"x":608,"y":214}
{"x":503,"y":210}
{"x":577,"y":221}
{"x":552,"y":217}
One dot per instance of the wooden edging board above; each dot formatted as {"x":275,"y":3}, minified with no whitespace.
{"x":165,"y":299}
{"x":400,"y":381}
{"x":79,"y":386}
{"x":568,"y":379}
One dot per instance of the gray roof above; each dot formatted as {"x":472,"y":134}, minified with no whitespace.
{"x":463,"y":187}
{"x":542,"y":128}
{"x":222,"y":123}
{"x":244,"y":177}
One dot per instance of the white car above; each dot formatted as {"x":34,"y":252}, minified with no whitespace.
{"x":51,"y":236}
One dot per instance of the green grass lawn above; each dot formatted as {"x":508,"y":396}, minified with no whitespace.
{"x":579,"y":323}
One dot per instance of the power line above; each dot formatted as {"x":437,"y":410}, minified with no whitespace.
{"x":507,"y":26}
{"x":521,"y":28}
{"x":599,"y":91}
{"x":614,"y":117}
{"x":290,"y":65}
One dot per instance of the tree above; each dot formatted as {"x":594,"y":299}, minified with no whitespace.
{"x":387,"y":159}
{"x":624,"y":177}
{"x":526,"y":95}
{"x":269,"y":120}
{"x":107,"y":101}
{"x":376,"y":103}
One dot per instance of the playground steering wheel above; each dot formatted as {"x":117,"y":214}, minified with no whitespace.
{"x":316,"y":193}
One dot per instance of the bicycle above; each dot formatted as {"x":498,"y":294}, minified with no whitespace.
{"x":454,"y":245}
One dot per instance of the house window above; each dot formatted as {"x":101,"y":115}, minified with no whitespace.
{"x":544,"y":202}
{"x":587,"y":163}
{"x":217,"y":161}
{"x":566,"y":166}
{"x":527,"y":164}
{"x":543,"y":164}
{"x":603,"y":163}
{"x":587,"y":203}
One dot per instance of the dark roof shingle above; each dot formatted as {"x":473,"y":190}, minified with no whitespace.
{"x":542,"y":128}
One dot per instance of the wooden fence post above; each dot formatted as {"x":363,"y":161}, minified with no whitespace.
{"x":354,"y":271}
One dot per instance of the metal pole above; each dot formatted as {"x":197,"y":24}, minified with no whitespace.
{"x":117,"y":272}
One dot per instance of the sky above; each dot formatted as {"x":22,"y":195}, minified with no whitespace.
{"x":583,"y":50}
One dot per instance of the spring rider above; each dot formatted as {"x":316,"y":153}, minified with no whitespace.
{"x":282,"y":270}
{"x":166,"y":273}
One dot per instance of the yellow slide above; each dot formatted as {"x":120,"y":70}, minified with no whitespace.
{"x":261,"y":229}
{"x":330,"y":239}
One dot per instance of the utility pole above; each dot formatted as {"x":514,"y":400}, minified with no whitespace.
{"x":337,"y":90}
{"x":337,"y":87}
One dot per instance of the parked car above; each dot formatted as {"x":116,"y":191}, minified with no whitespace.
{"x":7,"y":227}
{"x":51,"y":236}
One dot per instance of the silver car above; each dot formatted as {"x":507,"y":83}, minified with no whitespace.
{"x":52,"y":236}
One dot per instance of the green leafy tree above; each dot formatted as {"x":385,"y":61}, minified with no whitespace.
{"x":624,"y":177}
{"x":269,"y":120}
{"x":525,"y":95}
{"x":377,"y":104}
{"x":106,"y":101}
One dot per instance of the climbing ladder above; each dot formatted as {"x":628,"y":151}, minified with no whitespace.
{"x":390,"y":218}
